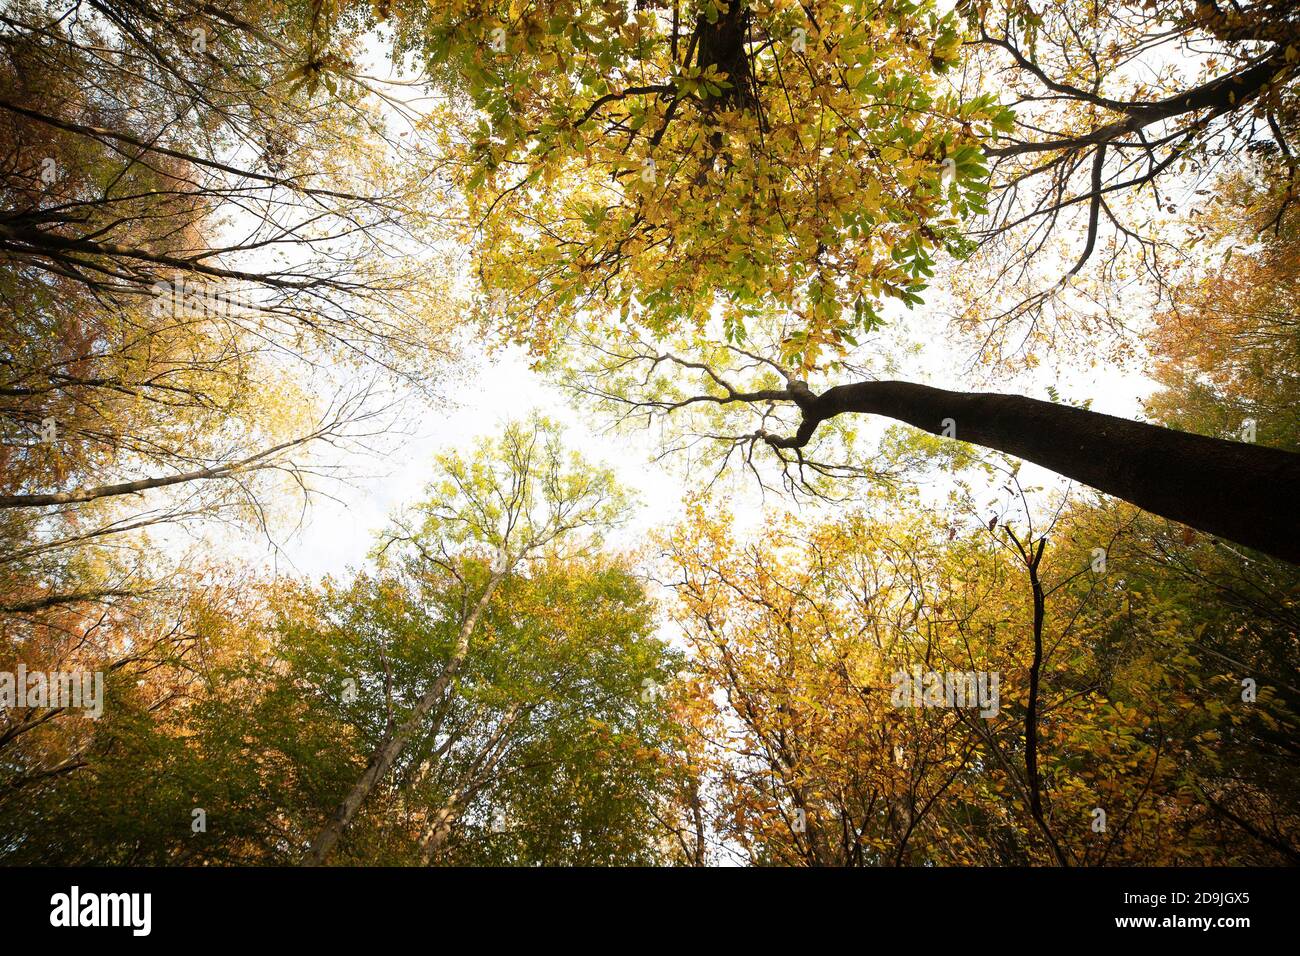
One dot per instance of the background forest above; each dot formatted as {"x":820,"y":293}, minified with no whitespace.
{"x":795,"y":346}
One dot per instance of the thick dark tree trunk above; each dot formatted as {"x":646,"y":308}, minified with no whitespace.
{"x":1246,"y":493}
{"x":722,"y":44}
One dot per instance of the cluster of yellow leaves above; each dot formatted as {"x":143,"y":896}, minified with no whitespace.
{"x":796,"y":634}
{"x":610,"y":166}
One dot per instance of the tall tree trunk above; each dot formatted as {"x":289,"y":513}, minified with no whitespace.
{"x":1033,"y":557}
{"x":1244,"y":492}
{"x":386,"y":754}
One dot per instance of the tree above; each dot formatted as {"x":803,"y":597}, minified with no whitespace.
{"x":623,"y":168}
{"x":189,"y":227}
{"x":552,"y":744}
{"x":161,"y":265}
{"x":514,"y":502}
{"x":1109,"y":697}
{"x":1226,"y":349}
{"x":1104,"y":148}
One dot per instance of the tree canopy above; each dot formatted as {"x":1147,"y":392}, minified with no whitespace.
{"x":872,"y":279}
